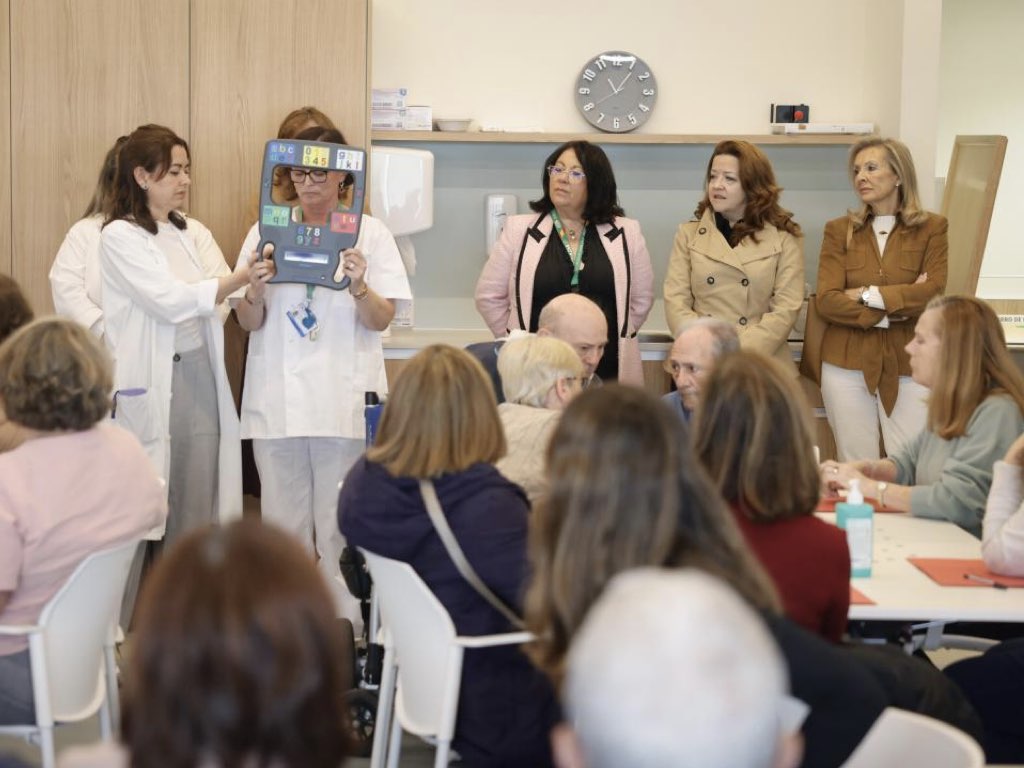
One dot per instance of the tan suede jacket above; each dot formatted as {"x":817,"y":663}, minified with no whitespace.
{"x":851,"y":340}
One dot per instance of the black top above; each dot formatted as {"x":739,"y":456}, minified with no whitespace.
{"x":597,"y":283}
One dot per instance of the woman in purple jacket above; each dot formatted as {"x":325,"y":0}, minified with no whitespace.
{"x":441,"y":423}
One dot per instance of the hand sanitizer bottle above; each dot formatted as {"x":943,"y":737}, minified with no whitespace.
{"x":858,"y":520}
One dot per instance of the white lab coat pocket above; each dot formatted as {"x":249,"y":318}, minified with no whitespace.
{"x":136,"y":411}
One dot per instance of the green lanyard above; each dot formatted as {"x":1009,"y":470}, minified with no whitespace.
{"x":575,"y":258}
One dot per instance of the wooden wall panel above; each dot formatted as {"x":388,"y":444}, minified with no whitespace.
{"x":253,"y":61}
{"x":82,"y":73}
{"x":5,"y":137}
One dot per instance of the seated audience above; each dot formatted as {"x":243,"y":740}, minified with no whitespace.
{"x":441,"y":424}
{"x":709,"y":691}
{"x":975,"y":411}
{"x":753,"y":435}
{"x":626,"y":491}
{"x":14,"y":313}
{"x":574,"y":319}
{"x":694,"y":354}
{"x":1002,"y":536}
{"x":75,"y":486}
{"x":540,"y":376}
{"x":235,"y":661}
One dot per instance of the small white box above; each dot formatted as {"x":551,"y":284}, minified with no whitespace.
{"x":387,"y":119}
{"x":417,"y":118}
{"x":390,"y":98}
{"x":821,"y":128}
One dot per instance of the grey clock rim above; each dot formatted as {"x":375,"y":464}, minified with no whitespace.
{"x":580,"y":100}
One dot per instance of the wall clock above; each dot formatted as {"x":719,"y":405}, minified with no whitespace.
{"x":616,"y":91}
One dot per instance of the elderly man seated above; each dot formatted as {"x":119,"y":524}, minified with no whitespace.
{"x":540,"y":375}
{"x":671,"y":669}
{"x":698,"y":347}
{"x":573,"y":318}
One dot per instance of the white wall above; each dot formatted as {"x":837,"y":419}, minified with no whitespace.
{"x":980,"y":93}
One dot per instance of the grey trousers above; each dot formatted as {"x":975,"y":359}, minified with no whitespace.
{"x":17,"y":702}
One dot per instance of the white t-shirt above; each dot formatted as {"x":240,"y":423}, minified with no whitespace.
{"x":297,"y":387}
{"x":188,"y":334}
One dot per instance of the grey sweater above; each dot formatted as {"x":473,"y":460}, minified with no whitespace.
{"x":951,"y":478}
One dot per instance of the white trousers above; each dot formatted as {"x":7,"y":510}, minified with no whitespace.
{"x":299,"y":477}
{"x":855,"y":414}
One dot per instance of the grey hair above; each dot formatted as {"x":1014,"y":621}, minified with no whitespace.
{"x":724,"y":339}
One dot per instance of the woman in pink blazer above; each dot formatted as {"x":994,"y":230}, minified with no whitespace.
{"x":577,"y":240}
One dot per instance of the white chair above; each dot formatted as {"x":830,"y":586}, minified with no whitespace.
{"x":900,"y":738}
{"x":72,"y":649}
{"x":423,"y":656}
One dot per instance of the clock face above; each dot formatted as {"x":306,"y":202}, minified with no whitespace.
{"x":616,"y":91}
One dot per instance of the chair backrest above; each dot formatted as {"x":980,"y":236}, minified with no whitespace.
{"x":899,"y":738}
{"x":423,"y":638}
{"x":77,"y":622}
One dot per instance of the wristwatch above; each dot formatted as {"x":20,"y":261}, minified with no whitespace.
{"x":882,"y":487}
{"x":865,"y":295}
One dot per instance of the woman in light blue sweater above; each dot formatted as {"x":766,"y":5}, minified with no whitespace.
{"x":975,"y":412}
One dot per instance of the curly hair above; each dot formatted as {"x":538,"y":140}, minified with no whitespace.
{"x":236,"y":659}
{"x":762,"y":192}
{"x":14,"y":307}
{"x":55,"y":375}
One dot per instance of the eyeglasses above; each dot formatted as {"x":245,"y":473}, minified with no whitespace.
{"x":298,"y":175}
{"x":575,"y":174}
{"x":673,"y":369}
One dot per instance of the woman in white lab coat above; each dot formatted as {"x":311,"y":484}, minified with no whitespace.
{"x":302,"y":402}
{"x":164,"y":308}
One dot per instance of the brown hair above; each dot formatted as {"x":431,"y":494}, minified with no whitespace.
{"x":440,"y":417}
{"x":148,"y":147}
{"x":625,"y":491}
{"x":762,"y":192}
{"x":103,"y":195}
{"x":236,"y":659}
{"x":753,"y":435}
{"x":973,"y":364}
{"x":55,"y":375}
{"x":296,"y":125}
{"x":901,"y":161}
{"x":15,"y":310}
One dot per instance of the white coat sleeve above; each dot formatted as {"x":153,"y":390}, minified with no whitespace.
{"x":212,"y":259}
{"x":68,"y":280}
{"x":134,"y":266}
{"x":1002,"y":537}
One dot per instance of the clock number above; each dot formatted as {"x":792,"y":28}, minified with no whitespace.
{"x":615,"y":122}
{"x":632,"y":118}
{"x":644,"y":108}
{"x":600,"y":64}
{"x":588,"y":106}
{"x":584,"y":91}
{"x":648,"y":91}
{"x":600,"y":117}
{"x":589,"y":74}
{"x":644,"y":76}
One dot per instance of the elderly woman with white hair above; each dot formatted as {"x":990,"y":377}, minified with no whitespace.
{"x":539,"y":375}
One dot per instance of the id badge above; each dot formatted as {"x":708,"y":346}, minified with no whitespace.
{"x":304,"y":321}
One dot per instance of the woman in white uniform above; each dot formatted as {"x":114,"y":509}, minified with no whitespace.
{"x":164,"y":308}
{"x":302,"y":403}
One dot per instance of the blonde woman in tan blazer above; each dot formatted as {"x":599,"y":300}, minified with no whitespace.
{"x":742,"y":260}
{"x":879,"y":268}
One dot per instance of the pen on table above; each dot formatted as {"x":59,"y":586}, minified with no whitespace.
{"x":983,"y":580}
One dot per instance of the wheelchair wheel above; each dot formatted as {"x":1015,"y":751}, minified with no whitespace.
{"x":362,"y":710}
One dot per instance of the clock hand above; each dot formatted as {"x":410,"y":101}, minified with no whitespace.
{"x":623,"y":83}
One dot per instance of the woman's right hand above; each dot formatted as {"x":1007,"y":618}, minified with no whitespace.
{"x":260,"y":272}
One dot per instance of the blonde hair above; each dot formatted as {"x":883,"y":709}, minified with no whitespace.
{"x":901,"y":162}
{"x":440,"y":417}
{"x":55,"y":376}
{"x":753,"y":435}
{"x":973,"y":364}
{"x":531,"y":365}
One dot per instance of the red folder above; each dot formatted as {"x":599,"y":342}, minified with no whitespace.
{"x":954,"y":572}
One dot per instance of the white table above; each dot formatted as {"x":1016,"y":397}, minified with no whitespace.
{"x":901,"y":592}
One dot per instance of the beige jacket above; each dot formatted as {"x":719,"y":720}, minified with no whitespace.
{"x":758,"y":286}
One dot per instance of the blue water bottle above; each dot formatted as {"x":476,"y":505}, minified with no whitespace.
{"x":371,"y":415}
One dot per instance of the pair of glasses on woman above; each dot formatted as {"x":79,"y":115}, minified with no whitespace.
{"x":298,"y":175}
{"x":575,"y":174}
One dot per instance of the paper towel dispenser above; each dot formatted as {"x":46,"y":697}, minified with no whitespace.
{"x":402,"y":188}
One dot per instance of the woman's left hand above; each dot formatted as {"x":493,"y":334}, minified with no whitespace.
{"x":836,"y":476}
{"x":353,"y":266}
